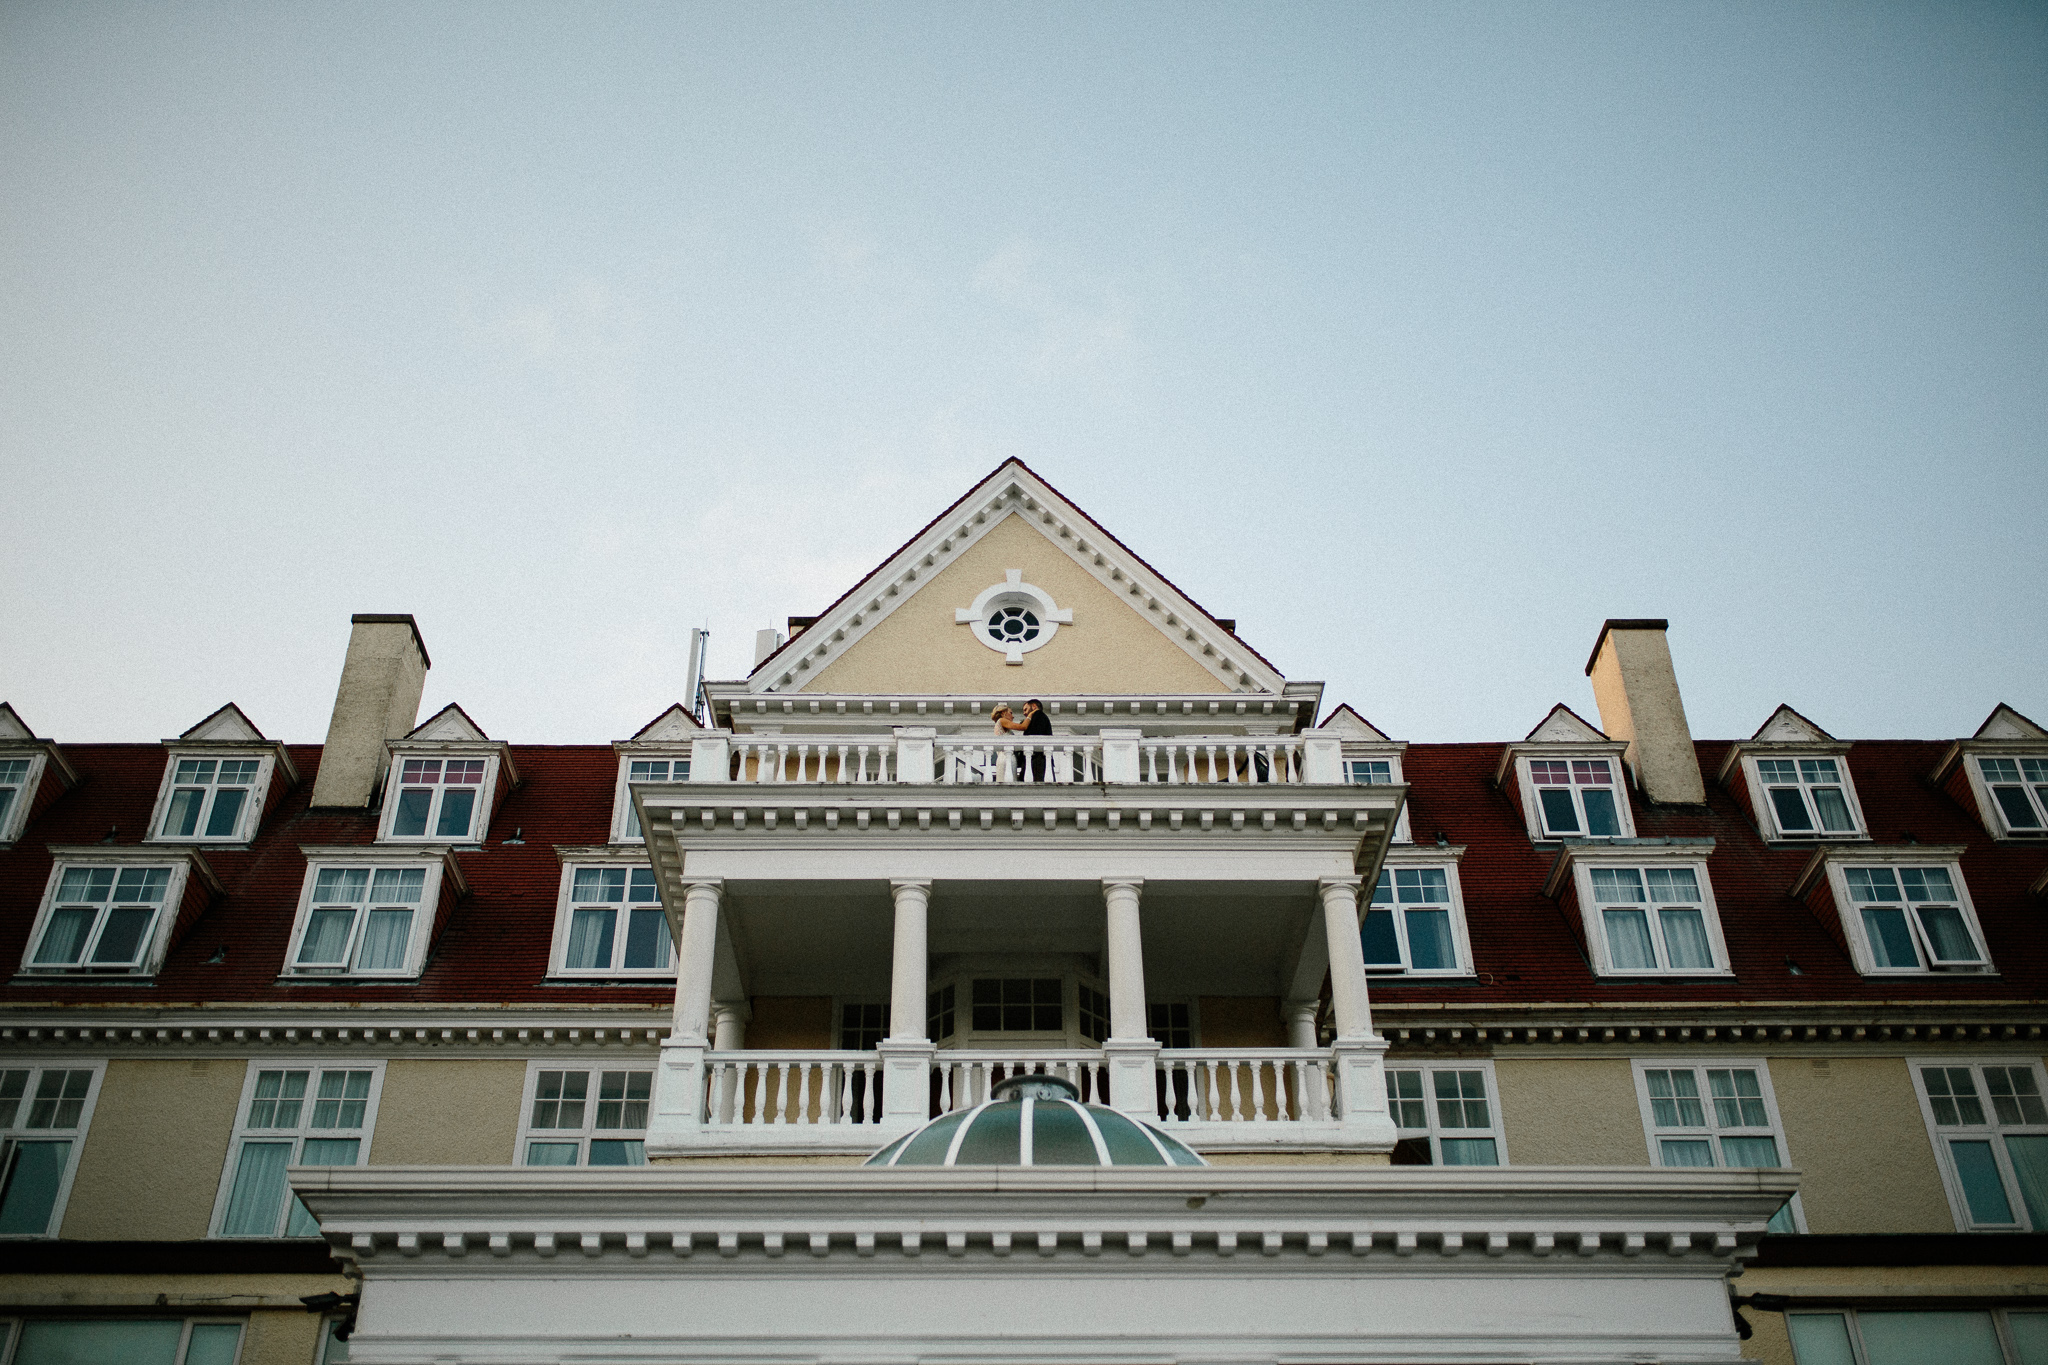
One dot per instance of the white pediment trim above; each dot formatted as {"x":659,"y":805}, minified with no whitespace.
{"x":1350,"y":725}
{"x":2006,"y":723}
{"x":1565,"y":726}
{"x":226,"y":726}
{"x":674,"y":725}
{"x":451,"y":722}
{"x":1013,"y":490}
{"x":13,"y":730}
{"x":1787,"y":726}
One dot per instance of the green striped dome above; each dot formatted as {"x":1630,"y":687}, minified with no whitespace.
{"x":1036,"y":1121}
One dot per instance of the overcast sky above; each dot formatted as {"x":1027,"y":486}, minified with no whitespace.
{"x":1418,"y":338}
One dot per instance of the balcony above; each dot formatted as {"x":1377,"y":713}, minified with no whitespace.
{"x":918,"y":754}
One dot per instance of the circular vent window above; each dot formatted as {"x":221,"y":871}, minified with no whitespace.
{"x":1013,"y":617}
{"x":1012,"y":625}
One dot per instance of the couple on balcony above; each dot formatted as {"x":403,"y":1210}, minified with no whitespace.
{"x":1035,"y":722}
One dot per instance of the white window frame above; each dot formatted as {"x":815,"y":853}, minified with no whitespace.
{"x":1532,"y":803}
{"x":1435,"y":1130}
{"x":437,"y":866}
{"x":1767,"y":810}
{"x":588,"y":1131}
{"x":1642,"y":861}
{"x":11,"y":1328}
{"x":15,"y":816}
{"x":624,"y":825}
{"x":297,"y":1134}
{"x":1850,"y":911}
{"x":566,"y":905}
{"x":1852,"y":1322}
{"x":2033,"y":793}
{"x":1711,"y":1130}
{"x":1991,"y":1131}
{"x":1362,"y":753}
{"x":17,"y":1129}
{"x":1443,"y":860}
{"x":480,"y":814}
{"x":258,"y":790}
{"x":151,"y":948}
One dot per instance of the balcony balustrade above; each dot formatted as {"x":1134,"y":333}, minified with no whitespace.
{"x":919,"y":755}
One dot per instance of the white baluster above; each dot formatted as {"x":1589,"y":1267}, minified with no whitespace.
{"x":1258,"y":1070}
{"x":760,"y":1070}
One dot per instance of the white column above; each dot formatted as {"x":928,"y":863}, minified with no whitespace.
{"x":1348,"y":1000}
{"x":1130,"y":1056}
{"x":1127,"y":1020}
{"x":1301,"y":1022}
{"x":729,"y":1021}
{"x":696,"y":947}
{"x":907,"y":982}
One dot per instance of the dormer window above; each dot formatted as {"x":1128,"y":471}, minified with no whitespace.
{"x":438,"y":795}
{"x":1806,"y":796}
{"x":1369,"y":772}
{"x":108,"y":911}
{"x":208,"y":798}
{"x":1415,"y":922}
{"x":1576,"y":798}
{"x":2020,"y":787}
{"x":1912,"y":918}
{"x":366,"y":913}
{"x":1646,"y":908}
{"x":14,"y":795}
{"x":638,"y":771}
{"x":609,"y":922}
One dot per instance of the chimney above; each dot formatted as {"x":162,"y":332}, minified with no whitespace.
{"x":378,"y":700}
{"x":766,"y":642}
{"x":1637,"y":691}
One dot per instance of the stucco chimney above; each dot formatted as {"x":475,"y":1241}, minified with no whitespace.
{"x":378,"y":700}
{"x":1637,"y":691}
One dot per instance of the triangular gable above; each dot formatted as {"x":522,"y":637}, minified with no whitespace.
{"x":226,"y":726}
{"x":1787,"y":726}
{"x":1348,"y":723}
{"x":1099,"y":570}
{"x":1565,"y":726}
{"x":2006,"y":723}
{"x":451,"y":722}
{"x":674,"y":724}
{"x":13,"y":729}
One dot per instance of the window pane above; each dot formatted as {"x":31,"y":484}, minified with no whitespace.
{"x":1872,"y":883}
{"x":1790,"y":806}
{"x":1429,"y":941}
{"x":2029,"y":1155}
{"x":336,"y":885}
{"x":2030,"y":1335}
{"x":1686,"y":1152}
{"x":226,"y":812}
{"x":456,"y":807}
{"x":411,"y":816}
{"x":1470,"y":1152}
{"x":152,"y":1341}
{"x":647,"y":938}
{"x":1749,"y":1151}
{"x":1977,"y":1170}
{"x":1927,"y":884}
{"x":384,"y":941}
{"x":1834,"y":810}
{"x":64,"y":939}
{"x":1947,"y":935}
{"x":1601,"y":820}
{"x":590,"y":939}
{"x":31,"y":1191}
{"x":182,"y":819}
{"x":617,"y":1152}
{"x":1891,"y":942}
{"x":1820,"y":1338}
{"x":1628,"y":940}
{"x":326,"y":937}
{"x":1673,"y":884}
{"x":1377,"y":937}
{"x":551,"y":1154}
{"x":330,"y":1151}
{"x":595,"y":885}
{"x":1917,"y":1338}
{"x":213,"y":1343}
{"x":1782,"y":1220}
{"x":2019,"y":812}
{"x":121,"y":938}
{"x":1685,"y":939}
{"x":1617,"y":885}
{"x":398,"y":885}
{"x":1423,"y":886}
{"x":257,"y":1200}
{"x":1560,"y":816}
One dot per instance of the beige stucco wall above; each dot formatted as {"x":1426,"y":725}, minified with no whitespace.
{"x":1558,"y":1112}
{"x":1110,"y":647}
{"x":1853,"y":1128}
{"x":1241,"y":1021}
{"x":801,"y":1021}
{"x":451,"y":1113}
{"x":153,"y":1156}
{"x":280,"y":1331}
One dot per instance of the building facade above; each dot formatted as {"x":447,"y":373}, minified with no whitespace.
{"x":1538,"y":1049}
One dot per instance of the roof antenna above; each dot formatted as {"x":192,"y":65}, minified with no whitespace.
{"x":693,"y":673}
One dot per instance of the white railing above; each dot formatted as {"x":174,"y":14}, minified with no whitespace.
{"x":1220,"y":759}
{"x":766,"y":1089}
{"x":1026,"y":760}
{"x":967,"y":1077}
{"x":1243,"y":1085}
{"x":828,"y":760}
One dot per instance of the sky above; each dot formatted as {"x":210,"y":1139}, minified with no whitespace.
{"x":1419,"y":338}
